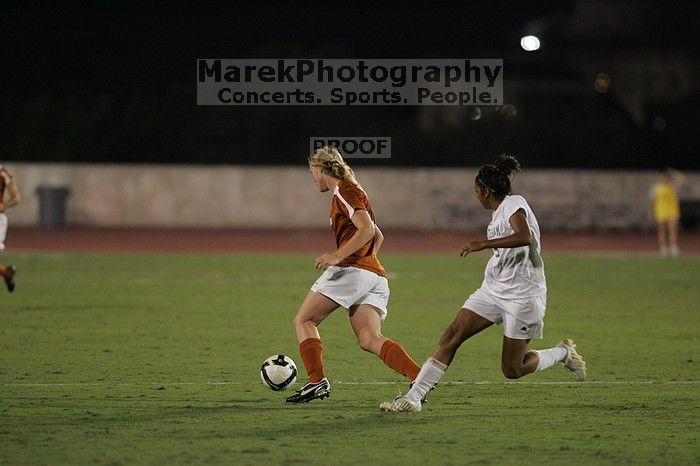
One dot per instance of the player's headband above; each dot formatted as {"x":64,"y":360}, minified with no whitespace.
{"x":482,"y":183}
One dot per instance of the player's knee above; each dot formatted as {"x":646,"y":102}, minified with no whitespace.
{"x":301,"y":321}
{"x":367,"y":340}
{"x":511,"y":372}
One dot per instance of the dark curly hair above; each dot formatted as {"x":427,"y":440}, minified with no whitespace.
{"x":496,"y":176}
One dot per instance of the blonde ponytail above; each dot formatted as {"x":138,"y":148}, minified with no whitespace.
{"x":329,"y":160}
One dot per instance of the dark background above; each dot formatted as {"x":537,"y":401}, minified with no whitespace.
{"x":117,"y":83}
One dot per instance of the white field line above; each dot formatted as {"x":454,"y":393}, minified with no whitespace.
{"x":340,"y":382}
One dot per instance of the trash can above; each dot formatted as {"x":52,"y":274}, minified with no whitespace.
{"x":690,"y":214}
{"x":52,"y":205}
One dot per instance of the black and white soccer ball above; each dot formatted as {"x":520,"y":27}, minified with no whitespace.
{"x":278,"y":372}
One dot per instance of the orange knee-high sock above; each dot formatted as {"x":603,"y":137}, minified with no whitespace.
{"x":2,"y":270}
{"x":311,"y":351}
{"x":398,"y":359}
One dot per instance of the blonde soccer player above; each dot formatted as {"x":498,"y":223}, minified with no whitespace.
{"x":513,"y":292}
{"x":7,"y":185}
{"x":353,"y":278}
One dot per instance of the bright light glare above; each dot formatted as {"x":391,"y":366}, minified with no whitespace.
{"x":530,"y":43}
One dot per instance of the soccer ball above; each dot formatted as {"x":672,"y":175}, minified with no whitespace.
{"x":278,"y":372}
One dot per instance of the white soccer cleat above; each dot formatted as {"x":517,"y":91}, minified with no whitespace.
{"x":573,"y":361}
{"x":400,"y":403}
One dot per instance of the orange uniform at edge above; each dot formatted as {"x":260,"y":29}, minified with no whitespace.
{"x":348,"y":198}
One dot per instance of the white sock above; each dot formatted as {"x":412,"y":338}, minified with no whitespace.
{"x":428,"y":376}
{"x":549,"y":357}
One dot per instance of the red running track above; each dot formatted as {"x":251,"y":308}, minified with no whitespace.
{"x":315,"y":241}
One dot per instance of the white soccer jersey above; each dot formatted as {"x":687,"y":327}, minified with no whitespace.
{"x":4,"y":181}
{"x":514,"y":273}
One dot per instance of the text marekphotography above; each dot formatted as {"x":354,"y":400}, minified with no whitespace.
{"x":355,"y":147}
{"x":349,"y":82}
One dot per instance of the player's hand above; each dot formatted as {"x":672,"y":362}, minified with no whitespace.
{"x":471,"y":246}
{"x":325,"y":260}
{"x":2,"y":207}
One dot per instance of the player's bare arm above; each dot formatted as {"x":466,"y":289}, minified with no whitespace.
{"x":14,"y":197}
{"x":521,"y":236}
{"x":378,"y":238}
{"x":676,"y":175}
{"x":365,"y":232}
{"x":12,"y":190}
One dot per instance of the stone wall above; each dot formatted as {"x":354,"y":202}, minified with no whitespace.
{"x":285,"y":197}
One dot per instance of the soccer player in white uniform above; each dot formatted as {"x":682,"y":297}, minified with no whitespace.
{"x":7,"y":183}
{"x":513,"y":293}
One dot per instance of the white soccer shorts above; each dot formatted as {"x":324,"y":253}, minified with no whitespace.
{"x":349,"y":286}
{"x":522,"y":319}
{"x":3,"y":230}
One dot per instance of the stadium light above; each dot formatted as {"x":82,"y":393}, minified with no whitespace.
{"x":530,"y":43}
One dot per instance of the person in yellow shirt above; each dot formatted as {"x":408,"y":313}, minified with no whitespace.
{"x":665,"y":208}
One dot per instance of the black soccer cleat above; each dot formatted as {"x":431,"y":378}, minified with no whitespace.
{"x":9,"y":277}
{"x":311,"y":391}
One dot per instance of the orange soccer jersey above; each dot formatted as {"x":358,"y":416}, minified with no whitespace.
{"x":347,"y":198}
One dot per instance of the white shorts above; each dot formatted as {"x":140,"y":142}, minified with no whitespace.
{"x":3,"y":230}
{"x":349,"y":286}
{"x":522,"y":319}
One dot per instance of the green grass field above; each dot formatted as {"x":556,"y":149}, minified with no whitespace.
{"x":153,"y":359}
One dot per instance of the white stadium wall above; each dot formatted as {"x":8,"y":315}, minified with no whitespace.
{"x":284,"y":197}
